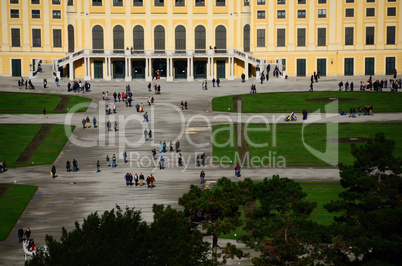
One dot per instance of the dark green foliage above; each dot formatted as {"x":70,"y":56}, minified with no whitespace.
{"x":371,"y":204}
{"x":217,"y":210}
{"x":280,"y":227}
{"x":122,"y":238}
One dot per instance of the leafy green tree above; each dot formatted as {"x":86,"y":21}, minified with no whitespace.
{"x":217,"y":210}
{"x":122,"y":238}
{"x":371,"y":205}
{"x":280,"y":228}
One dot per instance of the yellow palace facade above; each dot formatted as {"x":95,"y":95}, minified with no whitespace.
{"x":190,"y":39}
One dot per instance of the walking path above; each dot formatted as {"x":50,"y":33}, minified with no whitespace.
{"x":72,"y":196}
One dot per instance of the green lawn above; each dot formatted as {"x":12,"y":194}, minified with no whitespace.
{"x":320,"y":192}
{"x":12,"y":204}
{"x":29,"y":103}
{"x":297,"y":101}
{"x":289,"y":145}
{"x":15,"y":138}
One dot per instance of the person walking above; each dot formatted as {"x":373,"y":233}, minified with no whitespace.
{"x":213,"y":82}
{"x":146,"y":117}
{"x":185,"y":105}
{"x":107,"y":161}
{"x":75,"y":166}
{"x":97,"y":166}
{"x":141,"y":179}
{"x":125,"y":156}
{"x":202,"y":177}
{"x":177,"y":146}
{"x":94,"y":121}
{"x":218,"y":82}
{"x":83,"y":123}
{"x":44,"y":83}
{"x":68,"y":166}
{"x":237,"y":170}
{"x":160,"y":147}
{"x":115,"y":125}
{"x":150,"y":135}
{"x":57,"y":81}
{"x":152,"y":180}
{"x":311,"y":87}
{"x":20,"y":234}
{"x":53,"y":171}
{"x":44,"y":113}
{"x":114,"y":160}
{"x":87,"y":121}
{"x":162,"y":163}
{"x":28,"y":233}
{"x":154,"y":154}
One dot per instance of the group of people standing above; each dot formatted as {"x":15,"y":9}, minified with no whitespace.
{"x":75,"y":166}
{"x":86,"y":122}
{"x":139,"y":180}
{"x":366,"y":110}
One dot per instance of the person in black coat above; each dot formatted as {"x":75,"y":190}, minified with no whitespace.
{"x":53,"y":171}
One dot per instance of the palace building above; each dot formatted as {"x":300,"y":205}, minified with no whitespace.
{"x":199,"y":39}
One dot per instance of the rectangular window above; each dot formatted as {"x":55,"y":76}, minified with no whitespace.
{"x":322,"y":1}
{"x":56,"y":38}
{"x":117,"y":2}
{"x":220,"y":2}
{"x":138,"y":3}
{"x":56,"y":14}
{"x":55,"y":2}
{"x":70,"y":2}
{"x":15,"y":38}
{"x":281,"y":2}
{"x":179,"y":3}
{"x":322,"y":13}
{"x":260,"y":2}
{"x":349,"y":12}
{"x":391,"y":34}
{"x":301,"y":2}
{"x":283,"y":64}
{"x":349,"y":35}
{"x":199,"y":2}
{"x":260,"y":14}
{"x":370,"y":12}
{"x":350,"y":1}
{"x":301,"y":37}
{"x":370,"y":1}
{"x":281,"y":14}
{"x":260,"y":38}
{"x":246,"y":2}
{"x":322,"y":37}
{"x":281,"y":37}
{"x":35,"y":13}
{"x":97,"y":2}
{"x":369,"y":35}
{"x":391,"y":11}
{"x":36,"y":38}
{"x":159,"y":3}
{"x":35,"y":2}
{"x":391,"y":1}
{"x":13,"y":1}
{"x":14,"y":13}
{"x":301,"y":13}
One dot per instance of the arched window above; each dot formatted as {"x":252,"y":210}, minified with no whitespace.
{"x":220,"y":39}
{"x":246,"y":38}
{"x":118,"y":39}
{"x":97,"y":39}
{"x":180,"y":39}
{"x":200,"y":42}
{"x":138,"y":39}
{"x":70,"y":30}
{"x":159,"y":39}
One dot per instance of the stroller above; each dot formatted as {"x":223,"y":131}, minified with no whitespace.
{"x":291,"y":118}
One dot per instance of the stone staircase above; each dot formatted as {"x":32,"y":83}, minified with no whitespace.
{"x":47,"y":73}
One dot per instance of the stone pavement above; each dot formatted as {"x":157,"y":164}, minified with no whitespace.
{"x":72,"y":196}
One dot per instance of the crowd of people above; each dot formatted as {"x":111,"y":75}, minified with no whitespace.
{"x":78,"y":87}
{"x":138,"y":180}
{"x":367,"y":110}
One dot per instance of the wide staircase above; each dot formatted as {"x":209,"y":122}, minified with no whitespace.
{"x":47,"y":72}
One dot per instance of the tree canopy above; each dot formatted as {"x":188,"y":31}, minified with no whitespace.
{"x":120,"y":237}
{"x":371,"y":205}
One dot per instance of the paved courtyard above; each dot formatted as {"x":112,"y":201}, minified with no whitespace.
{"x":72,"y":196}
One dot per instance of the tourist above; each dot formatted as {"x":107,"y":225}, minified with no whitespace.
{"x":28,"y":233}
{"x":97,"y":166}
{"x":237,"y":170}
{"x":160,"y":147}
{"x":197,"y":161}
{"x":162,"y":163}
{"x":154,"y":154}
{"x":177,"y":146}
{"x":107,"y":161}
{"x":213,"y":82}
{"x":114,"y":160}
{"x":152,"y":180}
{"x":20,"y":234}
{"x":125,"y":156}
{"x":44,"y":113}
{"x":44,"y":83}
{"x":68,"y":166}
{"x":218,"y":82}
{"x":203,"y":157}
{"x":87,"y":121}
{"x":94,"y":121}
{"x":141,"y":179}
{"x":53,"y":171}
{"x":150,"y":135}
{"x":83,"y":123}
{"x":202,"y":177}
{"x":75,"y":166}
{"x":164,"y":149}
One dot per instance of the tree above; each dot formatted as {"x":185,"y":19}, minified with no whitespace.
{"x":122,"y":238}
{"x":280,"y":227}
{"x":217,"y":210}
{"x":371,"y":205}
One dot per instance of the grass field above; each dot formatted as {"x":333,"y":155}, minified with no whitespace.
{"x":290,"y":146}
{"x":29,"y":103}
{"x":14,"y":139}
{"x":297,"y":101}
{"x":12,"y":204}
{"x":320,"y":192}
